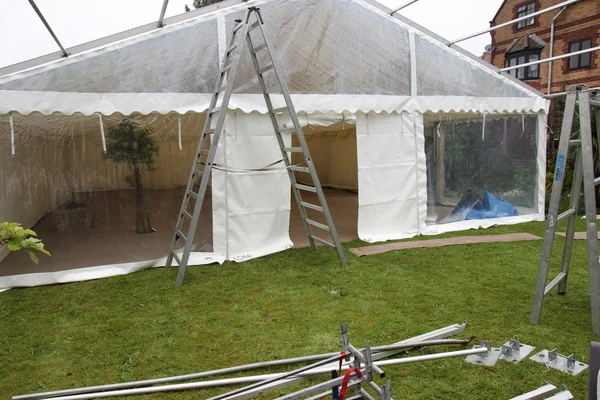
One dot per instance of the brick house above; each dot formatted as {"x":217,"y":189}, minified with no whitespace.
{"x":575,"y":28}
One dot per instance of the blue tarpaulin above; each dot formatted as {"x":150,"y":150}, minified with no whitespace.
{"x":493,"y":207}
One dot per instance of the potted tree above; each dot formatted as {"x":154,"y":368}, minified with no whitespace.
{"x":130,"y":143}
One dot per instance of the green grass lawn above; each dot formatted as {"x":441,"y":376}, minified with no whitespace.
{"x":280,"y":306}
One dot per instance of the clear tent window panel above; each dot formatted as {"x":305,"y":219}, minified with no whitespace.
{"x":438,"y":74}
{"x":323,"y":48}
{"x":480,"y":168}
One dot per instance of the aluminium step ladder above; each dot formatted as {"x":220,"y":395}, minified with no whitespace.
{"x":584,"y":171}
{"x":213,"y":127}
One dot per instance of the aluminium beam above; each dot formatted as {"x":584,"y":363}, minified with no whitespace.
{"x":47,"y":25}
{"x":162,"y":14}
{"x":545,"y":60}
{"x":528,"y":16}
{"x":403,"y":6}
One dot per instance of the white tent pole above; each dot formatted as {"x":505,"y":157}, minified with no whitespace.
{"x":483,"y":129}
{"x":39,"y":13}
{"x":102,"y":133}
{"x":162,"y":14}
{"x":413,"y":64}
{"x":179,"y":132}
{"x":12,"y":135}
{"x":545,"y":60}
{"x":403,"y":6}
{"x":528,"y":16}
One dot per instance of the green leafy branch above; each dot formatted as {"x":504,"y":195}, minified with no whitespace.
{"x":15,"y":238}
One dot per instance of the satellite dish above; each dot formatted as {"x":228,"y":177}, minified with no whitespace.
{"x":490,"y":47}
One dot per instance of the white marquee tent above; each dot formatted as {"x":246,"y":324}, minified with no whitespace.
{"x":390,"y":111}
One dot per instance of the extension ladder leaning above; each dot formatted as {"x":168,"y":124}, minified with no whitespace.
{"x":213,"y":126}
{"x":584,"y":170}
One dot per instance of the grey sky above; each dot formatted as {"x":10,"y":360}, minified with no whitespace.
{"x":79,"y":21}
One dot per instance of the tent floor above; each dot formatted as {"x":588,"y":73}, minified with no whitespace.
{"x":112,"y":239}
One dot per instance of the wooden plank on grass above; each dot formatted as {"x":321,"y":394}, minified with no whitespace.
{"x":578,"y":235}
{"x":414,"y":244}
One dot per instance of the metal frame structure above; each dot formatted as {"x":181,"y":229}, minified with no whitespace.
{"x":436,"y":337}
{"x":584,"y":171}
{"x":204,"y":161}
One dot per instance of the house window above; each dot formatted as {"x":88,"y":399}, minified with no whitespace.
{"x":523,"y":10}
{"x":581,"y":60}
{"x":524,"y":73}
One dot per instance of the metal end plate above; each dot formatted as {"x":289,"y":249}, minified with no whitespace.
{"x":559,"y":362}
{"x":488,"y":359}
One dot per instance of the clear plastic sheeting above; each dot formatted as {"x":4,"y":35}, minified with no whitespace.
{"x":439,"y":74}
{"x":326,"y":46}
{"x":181,"y":60}
{"x":81,"y":204}
{"x":323,"y":48}
{"x":481,"y":166}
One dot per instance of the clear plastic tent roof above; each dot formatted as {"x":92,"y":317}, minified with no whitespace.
{"x":325,"y":47}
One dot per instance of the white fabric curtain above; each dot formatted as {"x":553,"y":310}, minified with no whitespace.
{"x":391,"y":176}
{"x":251,"y":209}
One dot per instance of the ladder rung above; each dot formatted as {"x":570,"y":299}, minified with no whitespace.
{"x":259,"y":48}
{"x":233,"y":47}
{"x":266,"y":69}
{"x":317,"y":224}
{"x":287,"y":130}
{"x":209,"y":131}
{"x":305,"y":188}
{"x":227,"y":68}
{"x":204,"y":152}
{"x":575,"y":142}
{"x":253,"y":26}
{"x":187,"y":215}
{"x":566,"y":214}
{"x":299,"y":169}
{"x":191,"y":193}
{"x":237,"y":28}
{"x":293,"y":149}
{"x":562,"y":275}
{"x":325,"y":242}
{"x":222,"y":89}
{"x":176,"y":257}
{"x":597,"y":181}
{"x":279,"y":110}
{"x":215,"y":111}
{"x":181,"y":235}
{"x":312,"y":206}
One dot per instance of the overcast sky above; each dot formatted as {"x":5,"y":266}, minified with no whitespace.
{"x":23,"y":36}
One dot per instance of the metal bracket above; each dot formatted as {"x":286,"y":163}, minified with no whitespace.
{"x":552,"y":359}
{"x":514,"y":351}
{"x":488,"y":359}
